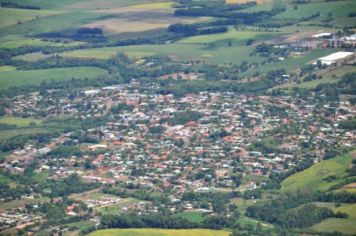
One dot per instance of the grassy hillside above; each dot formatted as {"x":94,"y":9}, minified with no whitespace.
{"x":20,"y":122}
{"x":179,"y":51}
{"x":346,"y":226}
{"x":312,"y":178}
{"x":327,"y":77}
{"x":159,"y":232}
{"x":18,"y":78}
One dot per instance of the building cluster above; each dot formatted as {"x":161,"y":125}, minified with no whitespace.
{"x":192,"y":143}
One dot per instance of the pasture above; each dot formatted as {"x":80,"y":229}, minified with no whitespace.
{"x":233,"y":35}
{"x":346,"y":226}
{"x":331,"y":76}
{"x":6,"y":134}
{"x":177,"y":51}
{"x":159,"y":232}
{"x":35,"y":56}
{"x":313,"y":178}
{"x":7,"y":68}
{"x":336,"y":11}
{"x":15,"y":41}
{"x":191,"y":216}
{"x":291,"y":64}
{"x":12,"y":16}
{"x":35,"y":77}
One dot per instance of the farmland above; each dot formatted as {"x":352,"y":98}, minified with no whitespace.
{"x":177,"y":51}
{"x":35,"y":77}
{"x":159,"y":232}
{"x":20,"y":122}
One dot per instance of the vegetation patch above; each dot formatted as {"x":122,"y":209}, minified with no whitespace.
{"x":35,"y":77}
{"x":313,"y":178}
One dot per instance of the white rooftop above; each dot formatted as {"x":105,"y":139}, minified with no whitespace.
{"x":322,"y":35}
{"x":336,"y":56}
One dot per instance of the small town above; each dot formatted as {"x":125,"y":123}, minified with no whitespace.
{"x":197,"y":143}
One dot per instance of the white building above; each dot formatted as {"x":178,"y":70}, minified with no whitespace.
{"x":335,"y":57}
{"x":322,"y":35}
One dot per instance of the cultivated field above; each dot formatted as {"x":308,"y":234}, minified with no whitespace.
{"x":35,"y":77}
{"x":20,"y":122}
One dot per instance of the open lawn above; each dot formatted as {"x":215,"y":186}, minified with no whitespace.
{"x":35,"y":77}
{"x":312,"y":178}
{"x":159,"y":232}
{"x":20,"y":122}
{"x":191,"y":216}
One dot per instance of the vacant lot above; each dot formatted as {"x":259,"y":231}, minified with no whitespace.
{"x":35,"y":77}
{"x":159,"y":232}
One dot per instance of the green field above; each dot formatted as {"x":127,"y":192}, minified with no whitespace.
{"x":20,"y":122}
{"x":6,"y":134}
{"x":4,"y":179}
{"x":117,"y":208}
{"x":327,"y":77}
{"x":291,"y":64}
{"x":35,"y":77}
{"x":346,"y":226}
{"x":21,"y":203}
{"x":312,"y":178}
{"x":7,"y":68}
{"x":234,"y":36}
{"x":178,"y":51}
{"x":194,"y":217}
{"x":339,"y":10}
{"x":12,"y":16}
{"x":35,"y":56}
{"x":159,"y":232}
